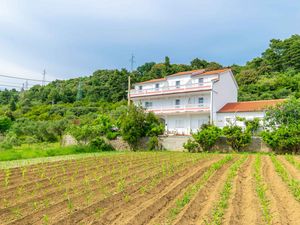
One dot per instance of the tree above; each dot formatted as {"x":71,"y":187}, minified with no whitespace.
{"x":12,"y":105}
{"x":5,"y":124}
{"x":282,"y":129}
{"x":236,"y":137}
{"x":137,"y":124}
{"x":207,"y":136}
{"x":133,"y":126}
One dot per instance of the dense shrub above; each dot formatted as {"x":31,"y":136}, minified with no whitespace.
{"x":285,"y":139}
{"x":5,"y":124}
{"x":100,"y":145}
{"x":112,"y":135}
{"x":153,"y":143}
{"x":191,"y":146}
{"x":207,"y":136}
{"x":236,"y":137}
{"x":137,"y":124}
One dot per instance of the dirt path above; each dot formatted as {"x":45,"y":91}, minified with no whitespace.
{"x":244,"y":206}
{"x":293,"y":171}
{"x":284,"y":208}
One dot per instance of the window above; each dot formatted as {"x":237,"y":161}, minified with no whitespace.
{"x":148,"y":105}
{"x":179,"y":123}
{"x":200,"y":101}
{"x":140,"y":88}
{"x":200,"y":81}
{"x":178,"y":84}
{"x":177,"y":103}
{"x":156,"y":86}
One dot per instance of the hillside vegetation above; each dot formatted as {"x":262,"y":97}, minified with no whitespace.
{"x":95,"y":105}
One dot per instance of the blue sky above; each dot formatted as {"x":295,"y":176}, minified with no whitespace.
{"x":72,"y":38}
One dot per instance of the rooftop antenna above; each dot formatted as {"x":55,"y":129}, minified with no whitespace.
{"x":44,"y":78}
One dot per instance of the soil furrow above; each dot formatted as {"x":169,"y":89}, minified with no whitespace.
{"x":60,"y":208}
{"x":244,"y":205}
{"x":293,"y":171}
{"x":204,"y":201}
{"x":117,"y":215}
{"x":284,"y":208}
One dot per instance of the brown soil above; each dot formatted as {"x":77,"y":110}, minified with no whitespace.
{"x":203,"y":203}
{"x":155,"y":200}
{"x":244,"y":207}
{"x":109,"y":205}
{"x":60,"y":209}
{"x":284,"y":208}
{"x":293,"y":171}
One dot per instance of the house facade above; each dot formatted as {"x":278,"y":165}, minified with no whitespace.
{"x":186,"y":100}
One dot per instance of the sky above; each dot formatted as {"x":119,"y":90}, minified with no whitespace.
{"x":72,"y":38}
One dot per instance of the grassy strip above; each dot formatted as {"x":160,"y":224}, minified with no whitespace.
{"x":46,"y":150}
{"x":292,"y":160}
{"x":219,"y":209}
{"x":261,"y":190}
{"x":293,"y":184}
{"x":193,"y":189}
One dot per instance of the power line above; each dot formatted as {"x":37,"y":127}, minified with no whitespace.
{"x":20,"y":78}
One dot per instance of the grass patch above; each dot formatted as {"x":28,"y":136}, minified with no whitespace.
{"x":42,"y":150}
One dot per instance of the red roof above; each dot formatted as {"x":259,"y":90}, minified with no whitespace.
{"x":250,"y":106}
{"x":192,"y":72}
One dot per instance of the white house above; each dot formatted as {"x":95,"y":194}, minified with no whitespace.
{"x":186,"y":100}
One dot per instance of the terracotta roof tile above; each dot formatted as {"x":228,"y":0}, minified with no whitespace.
{"x":250,"y":106}
{"x":151,"y":81}
{"x":193,"y":72}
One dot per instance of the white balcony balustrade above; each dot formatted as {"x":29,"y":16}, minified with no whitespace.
{"x":171,"y":89}
{"x":179,"y":108}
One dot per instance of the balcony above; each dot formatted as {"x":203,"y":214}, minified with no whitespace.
{"x":206,"y":86}
{"x":179,"y":108}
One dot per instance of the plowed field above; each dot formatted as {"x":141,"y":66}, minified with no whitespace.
{"x":154,"y":188}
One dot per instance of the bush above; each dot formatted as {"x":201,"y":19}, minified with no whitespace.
{"x":285,"y":139}
{"x":236,"y":137}
{"x":5,"y":124}
{"x":112,"y":135}
{"x":207,"y":136}
{"x":153,"y":143}
{"x":100,"y":144}
{"x":10,"y":140}
{"x":191,"y":146}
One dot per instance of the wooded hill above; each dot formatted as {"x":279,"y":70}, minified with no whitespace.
{"x":275,"y":74}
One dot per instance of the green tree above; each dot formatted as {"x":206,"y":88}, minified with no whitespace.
{"x":207,"y":136}
{"x":5,"y":124}
{"x":236,"y":137}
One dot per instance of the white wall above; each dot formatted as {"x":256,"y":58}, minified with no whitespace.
{"x":221,"y":117}
{"x":169,"y":101}
{"x":225,"y":91}
{"x":185,"y":123}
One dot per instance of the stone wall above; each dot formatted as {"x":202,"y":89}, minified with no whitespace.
{"x":175,"y":143}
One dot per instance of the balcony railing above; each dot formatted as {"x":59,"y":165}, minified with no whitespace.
{"x":171,"y":89}
{"x":180,"y":108}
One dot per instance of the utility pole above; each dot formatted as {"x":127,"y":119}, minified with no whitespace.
{"x":26,"y":85}
{"x":44,"y":77}
{"x":79,"y":91}
{"x":132,"y":61}
{"x":129,"y":86}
